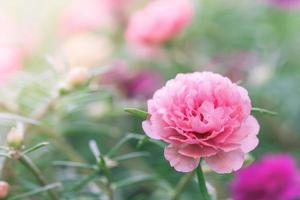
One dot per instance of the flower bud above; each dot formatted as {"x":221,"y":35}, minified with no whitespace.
{"x":15,"y":137}
{"x":4,"y":189}
{"x":77,"y":76}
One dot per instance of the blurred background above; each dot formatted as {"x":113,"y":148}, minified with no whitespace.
{"x":255,"y":43}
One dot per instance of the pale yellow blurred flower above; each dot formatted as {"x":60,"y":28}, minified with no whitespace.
{"x":15,"y":137}
{"x":87,"y":50}
{"x":77,"y":76}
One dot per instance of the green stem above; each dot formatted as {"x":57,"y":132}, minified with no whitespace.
{"x":106,"y":172}
{"x":27,"y":162}
{"x":202,"y":183}
{"x":181,"y":185}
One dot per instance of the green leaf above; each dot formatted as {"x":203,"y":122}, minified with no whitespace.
{"x":128,"y":137}
{"x":134,"y":180}
{"x":264,"y":111}
{"x":36,"y":191}
{"x":74,"y":164}
{"x":4,"y":155}
{"x":137,"y":112}
{"x":17,"y":118}
{"x":85,"y":181}
{"x":142,"y":142}
{"x":131,"y":155}
{"x":36,"y":147}
{"x":248,"y":159}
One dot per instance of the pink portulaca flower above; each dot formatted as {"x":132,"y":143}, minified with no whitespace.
{"x":273,"y":177}
{"x":84,"y":15}
{"x":286,"y":4}
{"x":202,"y":115}
{"x":159,"y":21}
{"x":142,"y":84}
{"x":11,"y":59}
{"x":4,"y":189}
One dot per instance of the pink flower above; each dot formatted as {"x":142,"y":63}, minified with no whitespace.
{"x":4,"y":189}
{"x":137,"y":84}
{"x":273,"y":177}
{"x":286,"y":4}
{"x":159,"y":21}
{"x":202,"y":115}
{"x":11,"y":59}
{"x":235,"y":65}
{"x":13,"y":34}
{"x":84,"y":15}
{"x":142,"y":84}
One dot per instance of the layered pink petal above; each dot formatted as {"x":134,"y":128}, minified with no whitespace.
{"x":159,"y":21}
{"x":226,"y":162}
{"x":249,"y":128}
{"x":195,"y":151}
{"x":147,"y":128}
{"x":180,"y":162}
{"x":249,"y":143}
{"x":247,"y":134}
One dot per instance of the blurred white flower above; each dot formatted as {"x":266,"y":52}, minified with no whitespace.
{"x":261,"y":74}
{"x":15,"y":137}
{"x":77,"y":76}
{"x":87,"y":50}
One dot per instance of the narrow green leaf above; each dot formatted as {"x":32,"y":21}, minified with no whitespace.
{"x":248,"y":159}
{"x":137,"y":112}
{"x":142,"y":142}
{"x":131,"y":155}
{"x":36,"y":147}
{"x":264,"y":111}
{"x":17,"y":118}
{"x":74,"y":164}
{"x":128,"y":137}
{"x":85,"y":181}
{"x":4,"y":155}
{"x":36,"y":191}
{"x":134,"y":180}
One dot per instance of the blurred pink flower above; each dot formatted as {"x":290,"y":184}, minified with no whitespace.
{"x":117,"y":73}
{"x":83,"y":15}
{"x":274,"y":177}
{"x":4,"y":189}
{"x":12,"y":34}
{"x":234,"y":65}
{"x":11,"y":59}
{"x":142,"y":84}
{"x":133,"y":83}
{"x":202,"y":115}
{"x":159,"y":21}
{"x":286,"y":4}
{"x":11,"y":48}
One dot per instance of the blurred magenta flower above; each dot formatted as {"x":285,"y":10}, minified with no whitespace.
{"x":158,"y":22}
{"x":83,"y":15}
{"x":286,"y":4}
{"x":116,"y":73}
{"x":11,"y":59}
{"x":142,"y":84}
{"x":274,"y":177}
{"x":202,"y":115}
